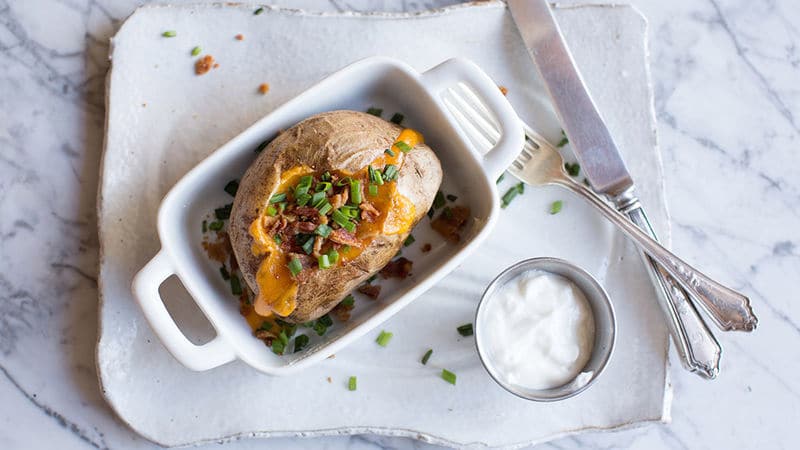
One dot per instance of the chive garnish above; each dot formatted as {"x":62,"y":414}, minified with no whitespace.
{"x":500,"y":178}
{"x":373,"y":190}
{"x":196,"y":51}
{"x":232,"y":187}
{"x":326,"y":176}
{"x":333,"y":256}
{"x":326,"y":320}
{"x":452,"y":197}
{"x":325,"y":208}
{"x":308,"y":245}
{"x":518,"y":188}
{"x":555,"y":208}
{"x":169,"y":33}
{"x":224,"y":272}
{"x":323,"y":186}
{"x":389,"y":152}
{"x":303,"y":186}
{"x":430,"y":213}
{"x":223,"y":213}
{"x":371,"y":279}
{"x":384,"y":338}
{"x":409,"y":240}
{"x":404,"y":147}
{"x":323,"y":230}
{"x":355,"y":192}
{"x":397,"y":118}
{"x":390,"y":172}
{"x":564,"y":141}
{"x":375,"y":111}
{"x":205,"y":226}
{"x":351,"y":384}
{"x":295,"y":266}
{"x":261,"y":146}
{"x":375,"y":175}
{"x":317,"y":199}
{"x":349,"y":300}
{"x":320,"y":328}
{"x":339,"y":217}
{"x":439,"y":200}
{"x":300,"y":342}
{"x":572,"y":169}
{"x":272,"y":211}
{"x":216,"y":225}
{"x":448,"y":376}
{"x":278,"y":347}
{"x":258,"y":11}
{"x":465,"y":330}
{"x":427,"y":356}
{"x":265,"y":325}
{"x":302,"y":199}
{"x":324,"y":262}
{"x":277,"y":198}
{"x":236,"y":286}
{"x":277,"y":238}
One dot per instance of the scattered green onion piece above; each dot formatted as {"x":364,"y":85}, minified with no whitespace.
{"x":339,"y":217}
{"x":326,"y":320}
{"x":439,"y":200}
{"x":261,"y":146}
{"x":572,"y":169}
{"x":224,"y":272}
{"x":278,"y":347}
{"x":308,"y":245}
{"x":564,"y":140}
{"x":324,"y":262}
{"x":272,"y":211}
{"x":375,"y":111}
{"x":258,"y":11}
{"x":555,"y":208}
{"x":389,"y":172}
{"x":288,"y":329}
{"x":326,"y":176}
{"x":384,"y":338}
{"x":355,"y":192}
{"x":333,"y":256}
{"x":277,"y":238}
{"x":325,"y":208}
{"x":447,"y":212}
{"x":205,"y":226}
{"x":277,"y":198}
{"x":371,"y":279}
{"x":409,"y":240}
{"x":452,"y":197}
{"x":323,"y":230}
{"x":349,"y":226}
{"x":320,"y":328}
{"x":265,"y":325}
{"x":389,"y":152}
{"x":302,"y":199}
{"x":373,"y":190}
{"x":303,"y":186}
{"x":317,"y":199}
{"x":232,"y":187}
{"x":405,"y":148}
{"x":397,"y":118}
{"x":349,"y":300}
{"x":511,"y":193}
{"x":324,"y":186}
{"x":236,"y":286}
{"x":300,"y":342}
{"x":427,"y":356}
{"x":281,"y":207}
{"x":343,"y":182}
{"x":375,"y":176}
{"x":295,"y":266}
{"x":223,"y":213}
{"x":351,"y":384}
{"x":500,"y":178}
{"x":448,"y":376}
{"x":465,"y":330}
{"x":196,"y":51}
{"x":216,"y":225}
{"x":169,"y":33}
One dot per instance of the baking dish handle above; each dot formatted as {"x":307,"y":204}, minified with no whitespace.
{"x":512,"y":137}
{"x":145,"y":289}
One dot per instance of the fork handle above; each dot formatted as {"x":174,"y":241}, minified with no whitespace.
{"x":698,"y":285}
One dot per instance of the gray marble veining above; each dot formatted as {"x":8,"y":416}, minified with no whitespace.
{"x":725,"y":73}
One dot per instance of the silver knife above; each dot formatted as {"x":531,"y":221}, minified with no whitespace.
{"x":605,"y":169}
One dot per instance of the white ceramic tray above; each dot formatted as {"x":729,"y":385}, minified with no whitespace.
{"x":162,"y":120}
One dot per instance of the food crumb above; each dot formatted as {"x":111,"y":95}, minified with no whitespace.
{"x":263,"y":88}
{"x":239,"y":37}
{"x":426,"y":248}
{"x":144,"y":105}
{"x":204,"y":64}
{"x":504,"y":90}
{"x":216,"y":65}
{"x":332,"y":356}
{"x":330,"y":380}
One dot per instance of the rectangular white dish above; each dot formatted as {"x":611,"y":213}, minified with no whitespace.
{"x":379,"y":81}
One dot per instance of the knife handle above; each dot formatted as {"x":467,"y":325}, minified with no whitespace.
{"x":696,"y":345}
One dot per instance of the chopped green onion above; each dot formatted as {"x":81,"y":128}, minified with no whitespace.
{"x":555,"y":208}
{"x":409,"y":240}
{"x":371,"y":279}
{"x":405,"y":148}
{"x":324,"y":262}
{"x":326,"y":320}
{"x":439,"y":200}
{"x":236,"y":286}
{"x":277,"y":238}
{"x":323,"y":186}
{"x":384,"y":338}
{"x":572,"y":169}
{"x":283,"y":337}
{"x":288,"y":328}
{"x":355,"y":192}
{"x":216,"y":225}
{"x":224,"y":212}
{"x":317,"y":199}
{"x":300,"y":342}
{"x":375,"y":111}
{"x":350,"y":211}
{"x":349,"y":300}
{"x":303,"y":186}
{"x":564,"y":141}
{"x":390,"y":172}
{"x":196,"y":51}
{"x":427,"y":356}
{"x":397,"y":118}
{"x":265,"y":325}
{"x":326,"y":176}
{"x":261,"y":146}
{"x":278,"y":347}
{"x":205,"y":226}
{"x":447,"y":213}
{"x":258,"y":11}
{"x":351,"y":384}
{"x":343,"y":220}
{"x":448,"y":376}
{"x":281,"y":206}
{"x":465,"y":330}
{"x":452,"y":197}
{"x":389,"y":152}
{"x":325,"y":208}
{"x":272,"y":211}
{"x":302,"y":199}
{"x":373,"y":190}
{"x":169,"y":33}
{"x":350,"y":227}
{"x":224,"y":272}
{"x":375,"y":175}
{"x":308,"y":245}
{"x":518,"y":188}
{"x":232,"y":187}
{"x":500,"y":178}
{"x":333,"y":256}
{"x":430,"y":213}
{"x":320,"y":328}
{"x":323,"y":230}
{"x":277,"y":198}
{"x":343,"y":182}
{"x":295,"y":266}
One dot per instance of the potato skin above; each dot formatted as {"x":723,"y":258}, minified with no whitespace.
{"x":336,"y":140}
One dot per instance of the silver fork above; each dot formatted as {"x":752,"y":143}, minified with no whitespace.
{"x":538,"y":164}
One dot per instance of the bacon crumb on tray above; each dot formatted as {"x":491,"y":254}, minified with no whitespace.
{"x":426,"y":247}
{"x":450,"y":222}
{"x":204,"y":64}
{"x":398,"y":268}
{"x":370,"y":290}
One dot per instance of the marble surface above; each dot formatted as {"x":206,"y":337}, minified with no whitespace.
{"x":726,"y":98}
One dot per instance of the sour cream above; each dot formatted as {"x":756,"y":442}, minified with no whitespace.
{"x":538,"y":330}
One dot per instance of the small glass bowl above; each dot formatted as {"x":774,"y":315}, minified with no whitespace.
{"x":604,"y":323}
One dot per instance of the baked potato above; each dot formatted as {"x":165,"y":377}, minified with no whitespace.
{"x":326,"y":205}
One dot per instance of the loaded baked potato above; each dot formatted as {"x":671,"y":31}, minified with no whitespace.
{"x":325,"y":205}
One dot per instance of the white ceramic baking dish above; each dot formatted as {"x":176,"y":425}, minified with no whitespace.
{"x":377,"y":81}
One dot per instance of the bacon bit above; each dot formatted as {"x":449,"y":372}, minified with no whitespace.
{"x":318,"y":240}
{"x":450,"y":222}
{"x":342,"y":236}
{"x":245,"y":308}
{"x":306,"y":212}
{"x":370,"y":290}
{"x":263,"y":88}
{"x":220,"y":249}
{"x":342,"y":312}
{"x":369,"y":212}
{"x":244,"y":299}
{"x":399,"y":268}
{"x":336,"y":201}
{"x":504,"y":90}
{"x":239,"y":37}
{"x":426,"y":248}
{"x":330,"y":380}
{"x":204,"y":64}
{"x":216,"y":65}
